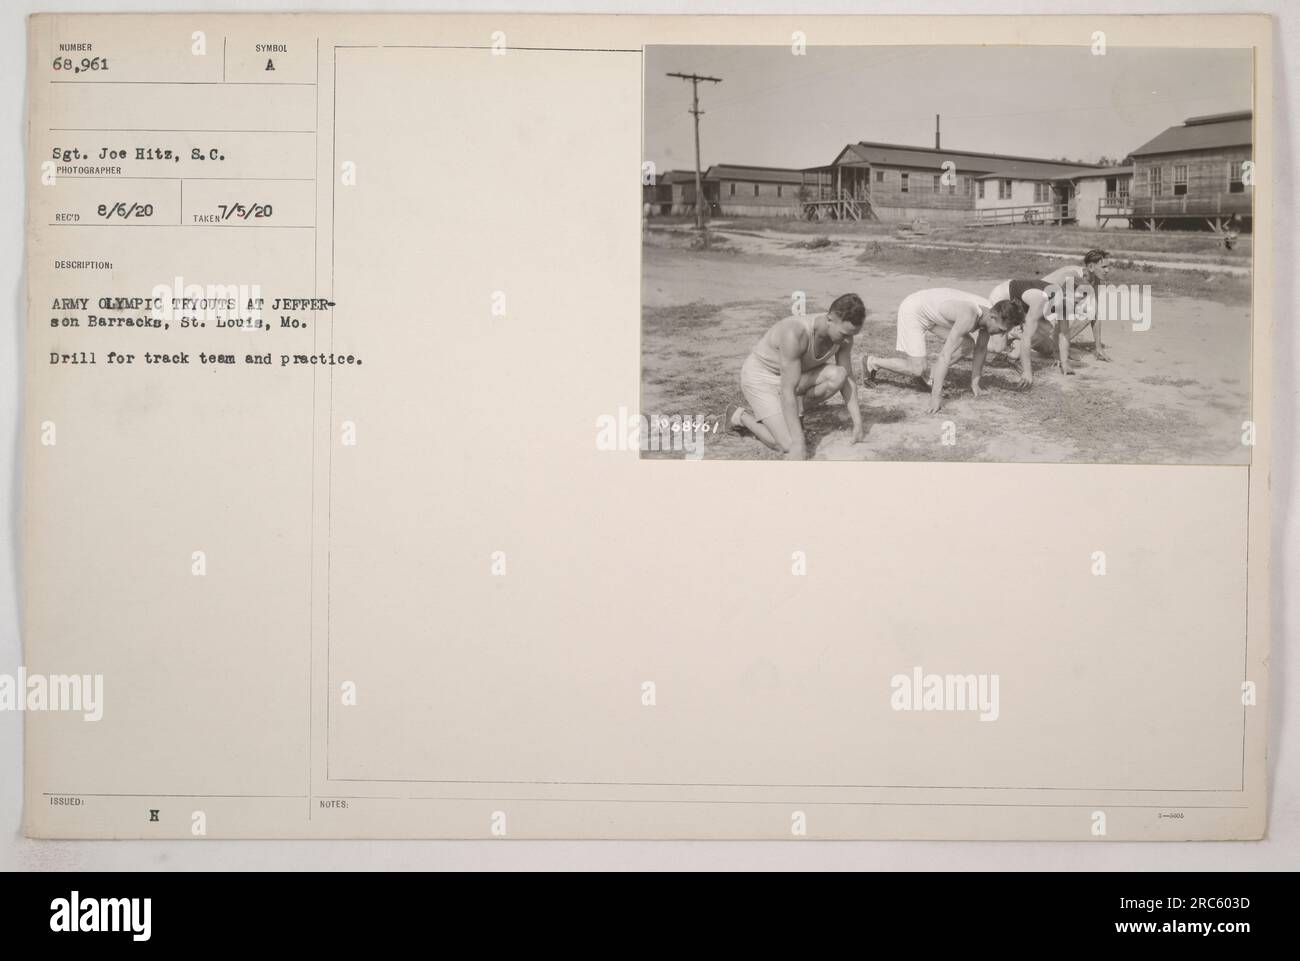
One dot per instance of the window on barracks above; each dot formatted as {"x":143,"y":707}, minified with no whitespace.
{"x":1235,"y":184}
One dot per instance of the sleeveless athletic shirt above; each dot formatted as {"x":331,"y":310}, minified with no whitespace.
{"x":769,"y":355}
{"x":927,"y":305}
{"x":1017,"y":288}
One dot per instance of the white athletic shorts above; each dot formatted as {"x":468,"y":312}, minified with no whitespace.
{"x":912,"y":329}
{"x":762,"y":389}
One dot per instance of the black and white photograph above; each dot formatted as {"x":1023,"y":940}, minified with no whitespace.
{"x":346,"y":417}
{"x":976,"y":253}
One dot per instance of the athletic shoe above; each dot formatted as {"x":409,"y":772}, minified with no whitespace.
{"x":732,"y":417}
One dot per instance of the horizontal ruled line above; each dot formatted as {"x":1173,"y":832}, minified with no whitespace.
{"x":793,"y":787}
{"x":245,"y":226}
{"x":94,"y":794}
{"x":485,"y":46}
{"x":164,"y":130}
{"x":205,"y":83}
{"x":143,"y":177}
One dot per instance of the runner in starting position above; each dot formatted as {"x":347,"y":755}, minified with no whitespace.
{"x":804,"y":358}
{"x":1046,"y":338}
{"x":956,"y":316}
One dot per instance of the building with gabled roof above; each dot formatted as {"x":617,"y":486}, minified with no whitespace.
{"x":1196,"y":174}
{"x":745,"y":190}
{"x":737,"y":190}
{"x":660,"y":197}
{"x":1210,"y":132}
{"x":885,"y":181}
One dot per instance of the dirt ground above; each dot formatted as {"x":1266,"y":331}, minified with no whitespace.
{"x":1176,"y":393}
{"x":1197,"y":245}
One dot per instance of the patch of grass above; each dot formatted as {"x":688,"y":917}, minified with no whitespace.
{"x":790,"y":225}
{"x":983,"y":267}
{"x":1227,"y":406}
{"x":707,"y":240}
{"x":886,"y":415}
{"x":1103,"y":426}
{"x":678,"y":318}
{"x":1201,"y":244}
{"x":817,"y":243}
{"x":956,"y":262}
{"x":1161,"y":381}
{"x":699,"y":241}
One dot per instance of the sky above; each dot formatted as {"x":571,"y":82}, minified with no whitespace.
{"x":776,"y":109}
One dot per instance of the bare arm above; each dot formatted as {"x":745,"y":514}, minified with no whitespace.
{"x":939,"y":373}
{"x":1063,"y":342}
{"x":791,"y":371}
{"x":1032,"y":318}
{"x":1061,"y":274}
{"x":844,"y":358}
{"x":1085,"y":313}
{"x":977,"y":361}
{"x":1095,"y":317}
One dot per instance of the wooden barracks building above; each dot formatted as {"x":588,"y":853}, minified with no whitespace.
{"x":876,"y":181}
{"x":896,"y":182}
{"x":730,"y":190}
{"x":1191,"y":175}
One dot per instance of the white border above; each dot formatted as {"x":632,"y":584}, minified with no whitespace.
{"x":1280,"y":851}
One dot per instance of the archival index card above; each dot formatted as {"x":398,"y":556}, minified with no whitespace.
{"x":534,"y":427}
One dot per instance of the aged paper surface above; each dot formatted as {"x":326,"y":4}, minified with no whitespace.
{"x":330,"y":530}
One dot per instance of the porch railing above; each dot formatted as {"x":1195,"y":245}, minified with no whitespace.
{"x":1051,"y":213}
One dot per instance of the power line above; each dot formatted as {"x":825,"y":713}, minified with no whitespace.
{"x":696,"y":80}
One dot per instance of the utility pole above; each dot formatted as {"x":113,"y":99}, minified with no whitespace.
{"x":695,"y":80}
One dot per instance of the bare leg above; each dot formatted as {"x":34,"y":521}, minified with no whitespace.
{"x":1014,"y":343}
{"x":1097,"y":346}
{"x":1044,"y":340}
{"x":775,"y":428}
{"x":907,"y":366}
{"x":964,"y":349}
{"x":814,"y":387}
{"x":760,"y":430}
{"x":1077,"y":329}
{"x":1063,"y":345}
{"x":821,"y":384}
